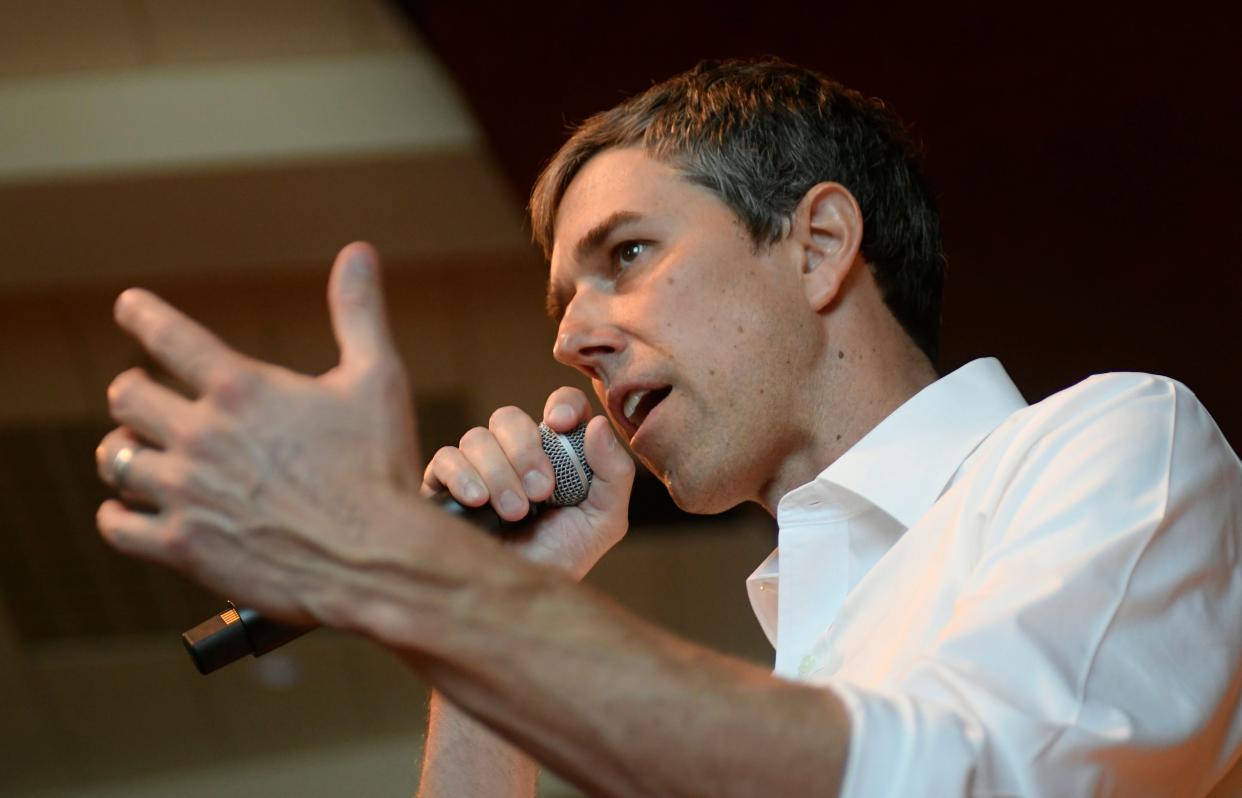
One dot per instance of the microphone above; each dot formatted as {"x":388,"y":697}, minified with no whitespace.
{"x":238,"y":631}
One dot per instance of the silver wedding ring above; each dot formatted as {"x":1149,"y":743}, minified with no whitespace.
{"x":120,"y":466}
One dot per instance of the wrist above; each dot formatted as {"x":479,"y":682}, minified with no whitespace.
{"x":429,"y":583}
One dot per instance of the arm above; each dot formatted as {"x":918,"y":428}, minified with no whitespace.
{"x":621,"y":708}
{"x":296,"y":495}
{"x":463,"y":757}
{"x":1080,"y":637}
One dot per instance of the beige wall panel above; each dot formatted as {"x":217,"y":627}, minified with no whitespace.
{"x":184,"y":31}
{"x":177,"y":118}
{"x":416,"y":209}
{"x":44,"y":36}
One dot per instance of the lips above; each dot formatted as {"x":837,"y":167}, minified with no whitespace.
{"x":632,"y":404}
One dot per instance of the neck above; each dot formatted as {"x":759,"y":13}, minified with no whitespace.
{"x":871,"y":370}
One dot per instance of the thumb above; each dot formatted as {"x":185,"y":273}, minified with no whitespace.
{"x":356,"y":304}
{"x":613,"y":468}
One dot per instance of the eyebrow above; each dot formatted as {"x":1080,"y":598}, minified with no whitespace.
{"x":598,"y":234}
{"x":584,"y":249}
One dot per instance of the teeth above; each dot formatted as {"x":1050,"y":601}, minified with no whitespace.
{"x":631,"y":404}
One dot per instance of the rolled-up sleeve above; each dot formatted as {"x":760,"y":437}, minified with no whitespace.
{"x":1094,"y":647}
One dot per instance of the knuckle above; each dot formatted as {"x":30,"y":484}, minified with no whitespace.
{"x":161,"y":337}
{"x":192,"y":438}
{"x":571,"y":398}
{"x":507,"y":415}
{"x":120,"y":388}
{"x":178,"y":483}
{"x":474,"y":437}
{"x":568,"y":393}
{"x":439,"y":457}
{"x":196,"y":439}
{"x":176,"y":541}
{"x":234,"y":388}
{"x":441,"y":463}
{"x":501,"y":476}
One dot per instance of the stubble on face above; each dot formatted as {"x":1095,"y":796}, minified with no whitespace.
{"x":724,"y":322}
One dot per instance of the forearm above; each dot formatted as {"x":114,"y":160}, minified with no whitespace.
{"x":609,"y":701}
{"x":463,"y":757}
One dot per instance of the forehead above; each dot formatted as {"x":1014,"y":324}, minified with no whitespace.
{"x":616,"y":181}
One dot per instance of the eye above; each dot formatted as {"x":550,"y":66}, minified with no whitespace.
{"x":625,"y":253}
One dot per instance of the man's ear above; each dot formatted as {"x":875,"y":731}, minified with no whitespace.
{"x":828,"y":226}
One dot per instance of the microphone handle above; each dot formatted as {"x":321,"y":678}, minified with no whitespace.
{"x":238,"y":631}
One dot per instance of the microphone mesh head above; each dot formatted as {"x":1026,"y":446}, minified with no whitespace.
{"x":572,"y":474}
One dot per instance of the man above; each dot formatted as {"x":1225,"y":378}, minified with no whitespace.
{"x":969,"y":597}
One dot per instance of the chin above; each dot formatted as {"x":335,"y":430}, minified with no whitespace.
{"x":698,"y":499}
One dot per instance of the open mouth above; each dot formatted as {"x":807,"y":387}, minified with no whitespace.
{"x":639,"y":403}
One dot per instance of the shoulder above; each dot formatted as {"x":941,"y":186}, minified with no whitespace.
{"x":1113,"y":445}
{"x":1126,"y":409}
{"x":1122,"y":396}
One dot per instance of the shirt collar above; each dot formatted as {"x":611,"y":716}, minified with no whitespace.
{"x":905,"y":462}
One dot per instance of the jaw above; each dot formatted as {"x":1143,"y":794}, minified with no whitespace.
{"x":691,"y":496}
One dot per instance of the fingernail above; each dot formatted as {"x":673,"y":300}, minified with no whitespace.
{"x":510,"y":504}
{"x":536,"y":483}
{"x":610,"y":440}
{"x":473,"y":491}
{"x":562,"y":415}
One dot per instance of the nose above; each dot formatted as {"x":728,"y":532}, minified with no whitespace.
{"x":586,"y":338}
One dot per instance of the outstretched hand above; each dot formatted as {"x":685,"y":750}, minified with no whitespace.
{"x":258,"y":484}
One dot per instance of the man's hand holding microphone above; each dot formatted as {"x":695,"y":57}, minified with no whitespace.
{"x":296,"y":495}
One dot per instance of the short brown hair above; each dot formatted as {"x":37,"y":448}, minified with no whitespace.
{"x":760,"y":134}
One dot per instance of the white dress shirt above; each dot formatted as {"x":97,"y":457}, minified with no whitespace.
{"x":1014,"y":600}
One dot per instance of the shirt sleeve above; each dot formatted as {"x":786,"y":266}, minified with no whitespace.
{"x":1095,"y":648}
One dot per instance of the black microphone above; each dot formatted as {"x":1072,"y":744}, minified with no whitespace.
{"x":238,"y":631}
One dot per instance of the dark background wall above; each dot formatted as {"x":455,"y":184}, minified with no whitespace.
{"x":1087,"y":159}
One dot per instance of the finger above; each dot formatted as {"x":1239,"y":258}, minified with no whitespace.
{"x":356,"y":302}
{"x":504,"y":488}
{"x":183,"y":346}
{"x":565,"y":409}
{"x":133,"y":533}
{"x":144,"y":406}
{"x":106,"y":464}
{"x":449,"y":470}
{"x":519,"y":439}
{"x":613,"y":468}
{"x":136,"y":474}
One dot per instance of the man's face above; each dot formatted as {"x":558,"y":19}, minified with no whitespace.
{"x":693,"y":339}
